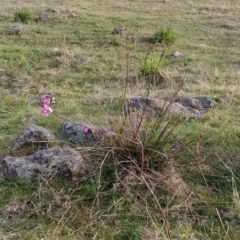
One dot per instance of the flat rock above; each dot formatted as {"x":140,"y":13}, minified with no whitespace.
{"x":200,"y":103}
{"x":54,"y":14}
{"x":32,"y":134}
{"x":57,"y":162}
{"x":15,"y":29}
{"x":184,"y":106}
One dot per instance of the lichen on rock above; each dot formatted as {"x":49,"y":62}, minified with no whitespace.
{"x":57,"y":162}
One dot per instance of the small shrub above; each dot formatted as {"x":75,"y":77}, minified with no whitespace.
{"x":165,"y":36}
{"x":23,"y":16}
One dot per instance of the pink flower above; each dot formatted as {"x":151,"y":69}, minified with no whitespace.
{"x":46,"y":110}
{"x":46,"y":102}
{"x":85,"y":128}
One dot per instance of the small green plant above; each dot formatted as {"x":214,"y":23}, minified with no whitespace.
{"x":165,"y":36}
{"x":115,"y":40}
{"x":23,"y":16}
{"x":151,"y":65}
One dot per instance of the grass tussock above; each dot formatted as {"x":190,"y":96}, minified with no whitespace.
{"x":23,"y":16}
{"x":165,"y":36}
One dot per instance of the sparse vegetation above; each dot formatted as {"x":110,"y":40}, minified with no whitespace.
{"x":165,"y":36}
{"x":151,"y":65}
{"x":23,"y":16}
{"x":152,"y":180}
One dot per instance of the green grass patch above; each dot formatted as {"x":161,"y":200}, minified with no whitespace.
{"x":23,"y":16}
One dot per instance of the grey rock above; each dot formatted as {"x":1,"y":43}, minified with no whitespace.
{"x":186,"y":107}
{"x":183,"y":111}
{"x":54,"y":14}
{"x":58,"y":162}
{"x":82,"y":134}
{"x":118,"y":30}
{"x":13,"y":211}
{"x":15,"y":29}
{"x":32,"y":134}
{"x":42,"y":16}
{"x":206,"y":102}
{"x":53,"y":10}
{"x":200,"y":103}
{"x":140,"y":105}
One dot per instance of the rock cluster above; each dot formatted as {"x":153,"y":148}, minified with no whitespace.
{"x":50,"y":162}
{"x":65,"y":162}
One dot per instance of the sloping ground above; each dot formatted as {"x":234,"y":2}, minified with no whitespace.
{"x":91,"y":72}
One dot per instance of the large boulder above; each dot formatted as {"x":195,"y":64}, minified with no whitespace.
{"x":33,"y":134}
{"x":57,"y":162}
{"x":82,"y":134}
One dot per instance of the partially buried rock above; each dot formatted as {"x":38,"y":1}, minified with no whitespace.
{"x":58,"y":162}
{"x":200,"y":103}
{"x":33,"y":134}
{"x":15,"y":29}
{"x":82,"y":134}
{"x":155,"y":107}
{"x":42,"y":16}
{"x":13,"y":211}
{"x":118,"y":30}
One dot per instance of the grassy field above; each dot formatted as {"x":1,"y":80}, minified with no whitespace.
{"x":90,"y":74}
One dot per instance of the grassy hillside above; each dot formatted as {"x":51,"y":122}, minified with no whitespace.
{"x":75,"y":56}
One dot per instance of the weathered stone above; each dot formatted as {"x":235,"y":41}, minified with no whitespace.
{"x":32,"y":134}
{"x":200,"y":103}
{"x":15,"y":29}
{"x":118,"y":30}
{"x":82,"y":134}
{"x":183,"y":111}
{"x":53,"y":10}
{"x":58,"y":162}
{"x":13,"y":211}
{"x":186,"y":107}
{"x":54,"y":14}
{"x":140,"y":106}
{"x":42,"y":16}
